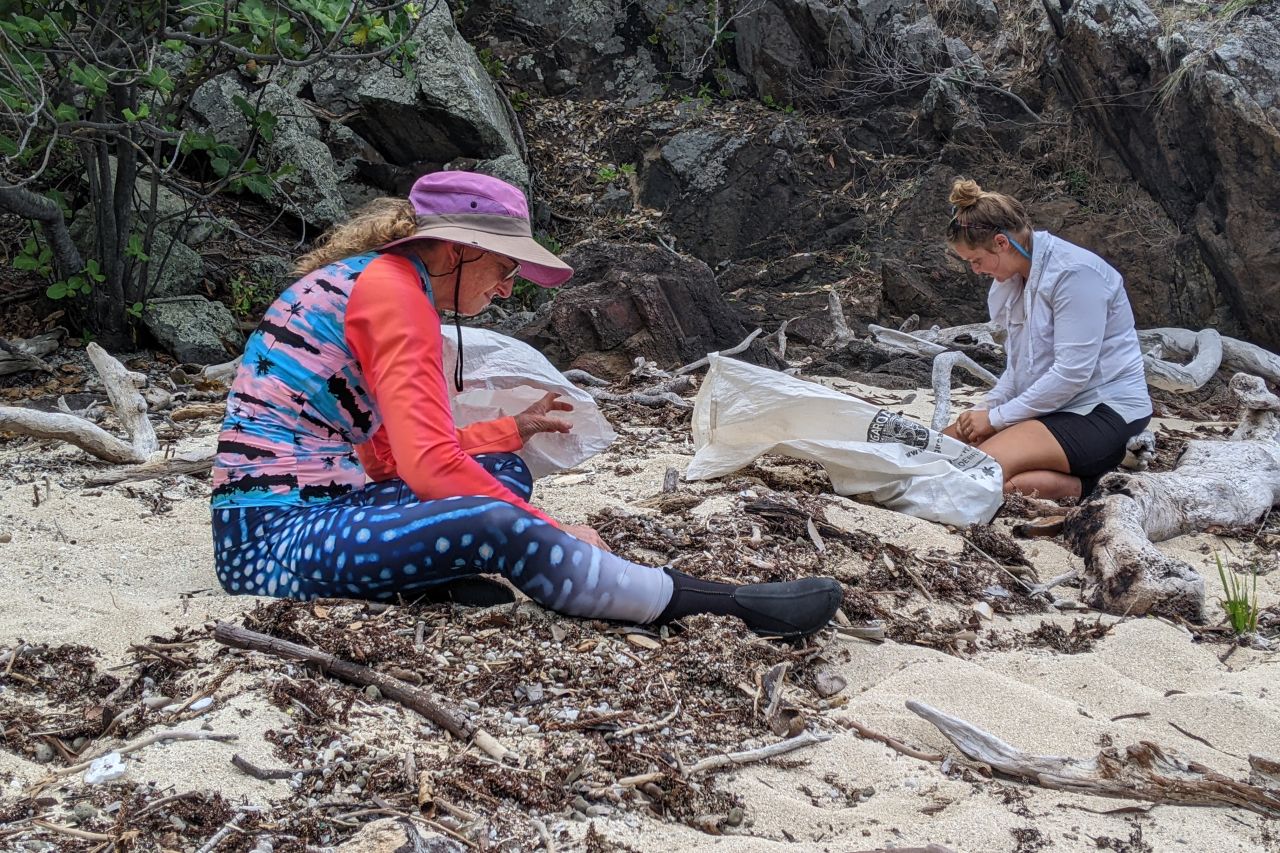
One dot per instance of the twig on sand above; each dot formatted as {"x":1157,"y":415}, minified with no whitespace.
{"x":891,"y":742}
{"x":240,"y":637}
{"x":134,"y":746}
{"x":715,"y":762}
{"x":231,"y":826}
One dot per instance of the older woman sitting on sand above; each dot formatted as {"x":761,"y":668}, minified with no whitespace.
{"x":340,"y":471}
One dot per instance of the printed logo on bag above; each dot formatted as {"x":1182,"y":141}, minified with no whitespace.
{"x":886,"y":427}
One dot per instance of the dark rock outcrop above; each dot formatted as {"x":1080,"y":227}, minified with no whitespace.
{"x":627,"y":301}
{"x":1195,"y":115}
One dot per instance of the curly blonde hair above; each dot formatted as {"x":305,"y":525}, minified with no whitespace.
{"x":978,"y":215}
{"x":373,"y":225}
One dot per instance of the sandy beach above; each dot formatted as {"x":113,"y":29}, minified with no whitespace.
{"x":113,"y":566}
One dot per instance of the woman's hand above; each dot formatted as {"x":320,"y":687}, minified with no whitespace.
{"x":534,"y":419}
{"x":586,"y":534}
{"x":974,"y":426}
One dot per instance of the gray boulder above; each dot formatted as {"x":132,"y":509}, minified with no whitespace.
{"x":175,"y":269}
{"x":312,"y":192}
{"x":193,"y":329}
{"x":449,"y":108}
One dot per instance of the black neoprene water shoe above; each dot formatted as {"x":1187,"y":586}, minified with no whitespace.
{"x":791,"y":609}
{"x":788,"y":609}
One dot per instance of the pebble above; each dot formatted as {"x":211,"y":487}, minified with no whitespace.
{"x":6,"y":537}
{"x":465,"y":639}
{"x":828,"y":683}
{"x":984,"y":610}
{"x":200,"y":704}
{"x":472,"y":668}
{"x":373,"y":692}
{"x":84,"y":812}
{"x":531,"y":729}
{"x":735,"y":817}
{"x":78,"y":744}
{"x":44,"y":753}
{"x":471,"y":704}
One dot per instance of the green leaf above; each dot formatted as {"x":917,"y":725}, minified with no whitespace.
{"x":95,"y":271}
{"x":159,"y":79}
{"x":25,"y":262}
{"x":244,"y":106}
{"x":66,"y":112}
{"x":8,"y":147}
{"x":134,"y":249}
{"x":172,"y":44}
{"x":221,"y":166}
{"x":57,"y":290}
{"x":91,"y":78}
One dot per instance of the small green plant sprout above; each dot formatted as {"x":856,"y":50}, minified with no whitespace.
{"x":492,"y":63}
{"x":607,"y":174}
{"x":627,"y":169}
{"x":1240,"y":603}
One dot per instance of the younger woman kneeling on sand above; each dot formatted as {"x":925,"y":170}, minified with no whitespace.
{"x":1074,"y":390}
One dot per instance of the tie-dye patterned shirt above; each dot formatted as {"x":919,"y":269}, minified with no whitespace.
{"x":350,"y":355}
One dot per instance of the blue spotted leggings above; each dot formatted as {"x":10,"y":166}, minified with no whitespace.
{"x":381,"y":542}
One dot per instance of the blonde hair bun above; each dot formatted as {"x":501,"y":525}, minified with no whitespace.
{"x":965,"y":193}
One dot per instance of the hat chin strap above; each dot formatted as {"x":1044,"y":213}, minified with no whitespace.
{"x":457,"y":324}
{"x":457,"y":315}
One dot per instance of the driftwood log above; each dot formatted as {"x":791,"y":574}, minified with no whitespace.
{"x":1227,"y":483}
{"x":128,"y":403}
{"x":20,"y":354}
{"x":1142,"y":771}
{"x":142,"y":450}
{"x":1201,"y":349}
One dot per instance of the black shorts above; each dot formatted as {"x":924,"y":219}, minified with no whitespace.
{"x":1094,"y":443}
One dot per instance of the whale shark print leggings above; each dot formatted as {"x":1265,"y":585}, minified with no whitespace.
{"x":380,"y":542}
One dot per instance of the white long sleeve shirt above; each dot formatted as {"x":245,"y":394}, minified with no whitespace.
{"x":1072,"y":343}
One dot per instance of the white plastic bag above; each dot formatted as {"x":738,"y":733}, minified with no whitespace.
{"x":503,"y":376}
{"x":743,"y":411}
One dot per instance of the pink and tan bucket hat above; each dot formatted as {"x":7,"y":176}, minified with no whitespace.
{"x":477,"y":210}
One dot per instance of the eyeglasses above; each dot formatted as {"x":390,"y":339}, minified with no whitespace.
{"x":511,"y":274}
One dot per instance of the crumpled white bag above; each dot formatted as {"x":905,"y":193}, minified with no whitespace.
{"x":503,"y":376}
{"x":743,"y":411}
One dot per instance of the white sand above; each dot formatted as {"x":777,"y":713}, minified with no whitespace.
{"x":129,"y":573}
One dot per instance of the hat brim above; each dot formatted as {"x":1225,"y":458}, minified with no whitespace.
{"x":536,"y":263}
